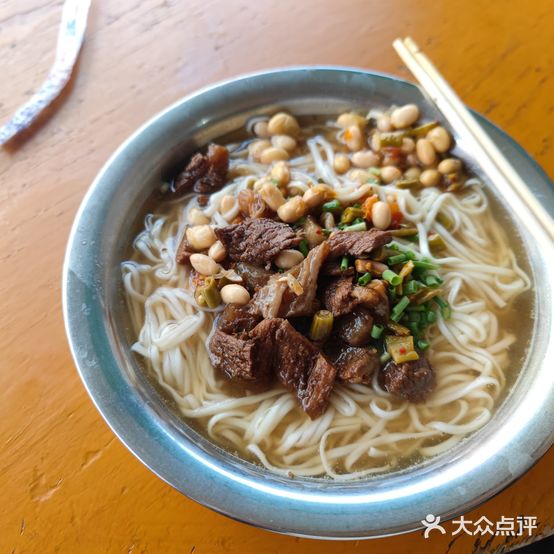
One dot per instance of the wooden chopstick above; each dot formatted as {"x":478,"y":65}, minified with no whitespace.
{"x":492,"y":161}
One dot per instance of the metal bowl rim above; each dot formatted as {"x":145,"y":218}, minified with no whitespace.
{"x":284,"y":519}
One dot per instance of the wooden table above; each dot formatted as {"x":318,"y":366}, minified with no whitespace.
{"x":67,"y":484}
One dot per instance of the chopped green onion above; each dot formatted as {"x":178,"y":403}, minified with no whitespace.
{"x":356,"y":205}
{"x":392,"y":294}
{"x":404,"y":232}
{"x":304,"y":247}
{"x":321,"y":326}
{"x":431,"y":316}
{"x":385,"y":357}
{"x":413,"y":327}
{"x":344,"y":263}
{"x":407,"y":183}
{"x":422,"y":344}
{"x":199,"y":297}
{"x":422,"y":130}
{"x":364,"y":280}
{"x":411,"y":287}
{"x":436,"y":242}
{"x":446,"y":311}
{"x":398,"y":316}
{"x":391,"y":277}
{"x":414,"y":316}
{"x":351,"y":214}
{"x":399,"y":308}
{"x":398,"y":259}
{"x":208,"y":294}
{"x":432,"y":280}
{"x":333,"y":206}
{"x":410,"y":255}
{"x":376,"y":331}
{"x":416,"y":309}
{"x":398,"y":329}
{"x":327,"y":232}
{"x":425,"y":265}
{"x":356,"y":227}
{"x":391,"y":139}
{"x":375,"y":171}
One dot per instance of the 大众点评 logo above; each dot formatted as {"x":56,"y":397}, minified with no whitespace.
{"x":505,"y":526}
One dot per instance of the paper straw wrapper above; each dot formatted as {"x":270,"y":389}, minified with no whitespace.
{"x":70,"y":39}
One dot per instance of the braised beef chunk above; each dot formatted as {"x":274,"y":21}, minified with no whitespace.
{"x":195,"y":170}
{"x":218,"y":164}
{"x":184,"y":251}
{"x":205,"y":173}
{"x":218,"y":158}
{"x":411,"y":381}
{"x":250,"y":353}
{"x":241,"y":346}
{"x":306,"y":273}
{"x":203,"y":200}
{"x":341,"y":296}
{"x":236,"y":320}
{"x":294,"y":354}
{"x":256,"y":241}
{"x":240,"y":359}
{"x":264,"y":335}
{"x":303,"y":369}
{"x":355,"y":328}
{"x":359,"y":243}
{"x":337,"y":296}
{"x":374,"y":297}
{"x":253,"y":276}
{"x":315,"y":398}
{"x":354,"y":365}
{"x":268,"y":301}
{"x":277,"y":300}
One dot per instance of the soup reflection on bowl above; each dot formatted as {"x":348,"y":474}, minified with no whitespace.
{"x":315,"y":302}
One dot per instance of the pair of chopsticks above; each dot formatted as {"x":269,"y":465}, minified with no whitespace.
{"x":492,"y":161}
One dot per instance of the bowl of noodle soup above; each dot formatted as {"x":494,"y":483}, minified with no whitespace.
{"x":370,"y":463}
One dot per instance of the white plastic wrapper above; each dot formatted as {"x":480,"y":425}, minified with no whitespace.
{"x":70,"y":39}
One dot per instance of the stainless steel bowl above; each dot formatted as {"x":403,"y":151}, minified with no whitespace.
{"x":96,"y":320}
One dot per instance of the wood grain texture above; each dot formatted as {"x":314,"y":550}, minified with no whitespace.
{"x":68,"y":485}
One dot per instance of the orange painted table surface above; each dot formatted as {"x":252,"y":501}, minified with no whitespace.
{"x":67,"y":484}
